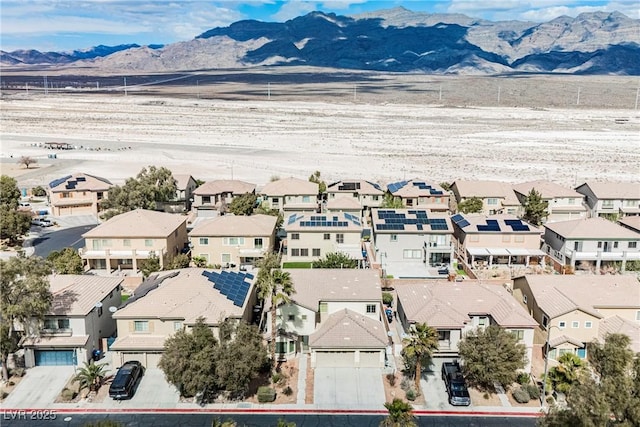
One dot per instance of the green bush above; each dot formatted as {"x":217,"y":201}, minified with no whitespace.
{"x":276,"y":378}
{"x":266,"y":394}
{"x":387,"y":298}
{"x":411,"y":394}
{"x":39,"y":191}
{"x":288,"y":391}
{"x":521,"y":395}
{"x":300,"y":264}
{"x":523,"y":378}
{"x":533,"y":390}
{"x":68,"y":394}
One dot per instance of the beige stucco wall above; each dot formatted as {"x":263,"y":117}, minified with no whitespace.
{"x":215,"y":248}
{"x":311,"y":240}
{"x":502,"y":240}
{"x":581,"y":332}
{"x":87,"y":202}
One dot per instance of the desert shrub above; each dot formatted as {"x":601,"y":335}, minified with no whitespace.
{"x":523,"y":378}
{"x":266,"y":394}
{"x":521,"y":395}
{"x":11,"y":383}
{"x":411,"y":394}
{"x":278,"y":378}
{"x":533,"y":390}
{"x":288,"y":391}
{"x":392,"y":379}
{"x":39,"y":191}
{"x":406,"y":384}
{"x":68,"y":394}
{"x":4,"y":395}
{"x":387,"y":298}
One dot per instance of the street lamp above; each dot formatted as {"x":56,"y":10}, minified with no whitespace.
{"x":546,"y":365}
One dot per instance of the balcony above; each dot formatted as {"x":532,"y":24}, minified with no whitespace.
{"x":58,"y":332}
{"x":120,"y":253}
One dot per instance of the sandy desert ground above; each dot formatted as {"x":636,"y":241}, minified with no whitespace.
{"x":257,"y":139}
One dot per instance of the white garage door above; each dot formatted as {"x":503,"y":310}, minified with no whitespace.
{"x":152,"y":360}
{"x":370,"y":359}
{"x":335,"y":359}
{"x":127,"y":357}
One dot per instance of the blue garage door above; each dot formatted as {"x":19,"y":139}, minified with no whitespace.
{"x":54,"y":357}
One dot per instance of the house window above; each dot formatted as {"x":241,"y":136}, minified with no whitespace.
{"x":599,"y":245}
{"x":482,"y":321}
{"x":233,"y":241}
{"x":581,"y":353}
{"x":632,"y":245}
{"x":572,"y":201}
{"x":371,"y":308}
{"x":562,"y":325}
{"x":575,"y":324}
{"x":588,"y":324}
{"x":518,"y":239}
{"x":339,"y":238}
{"x":444,"y":335}
{"x":281,"y":347}
{"x":304,"y":252}
{"x":315,"y":252}
{"x":291,"y":317}
{"x":638,"y":315}
{"x":99,"y":195}
{"x":323,"y":307}
{"x":55,"y":324}
{"x":204,"y":240}
{"x":206,"y":200}
{"x":106,"y":242}
{"x":492,"y":201}
{"x":126,"y":242}
{"x":303,"y":317}
{"x":327,"y":236}
{"x":306,"y":199}
{"x":295,"y":236}
{"x":393,"y":238}
{"x":225,"y":258}
{"x":295,"y":252}
{"x":518,"y":333}
{"x":524,"y":299}
{"x":615,"y":245}
{"x":376,"y":198}
{"x":141,"y":326}
{"x":177,"y":325}
{"x":412,"y":254}
{"x":148,"y":242}
{"x":607,"y":204}
{"x":506,"y":238}
{"x":545,"y":320}
{"x":257,"y":243}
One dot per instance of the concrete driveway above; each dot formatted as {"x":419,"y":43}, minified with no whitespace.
{"x":39,"y":387}
{"x":153,"y":392}
{"x":435,"y":392}
{"x":348,"y":388}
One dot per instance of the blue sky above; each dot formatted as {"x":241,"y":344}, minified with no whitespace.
{"x":64,"y":25}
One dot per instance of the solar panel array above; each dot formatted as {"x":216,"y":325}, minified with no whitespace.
{"x":492,"y":225}
{"x":396,"y":186}
{"x":425,"y":186}
{"x":397,"y":221}
{"x":459,"y":220}
{"x":324,"y":220}
{"x":293,"y":218}
{"x":376,"y":186}
{"x":516,"y":225}
{"x":352,"y":218}
{"x":58,"y":181}
{"x":233,"y":285}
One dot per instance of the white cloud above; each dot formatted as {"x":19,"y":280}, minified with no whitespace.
{"x":72,"y":24}
{"x":293,"y":9}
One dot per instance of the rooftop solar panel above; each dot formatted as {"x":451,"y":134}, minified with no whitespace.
{"x":457,"y":218}
{"x":81,"y":179}
{"x":438,"y":226}
{"x":463,"y":223}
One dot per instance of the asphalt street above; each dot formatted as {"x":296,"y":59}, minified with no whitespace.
{"x":51,"y":240}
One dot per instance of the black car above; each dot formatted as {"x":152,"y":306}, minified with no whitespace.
{"x":125,"y":381}
{"x":456,"y":387}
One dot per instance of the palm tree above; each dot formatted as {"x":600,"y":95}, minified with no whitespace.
{"x":421,"y":343}
{"x":278,"y":286}
{"x":91,"y":376}
{"x":399,"y":414}
{"x":566,"y":373}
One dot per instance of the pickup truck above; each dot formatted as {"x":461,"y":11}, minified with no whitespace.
{"x":456,"y":387}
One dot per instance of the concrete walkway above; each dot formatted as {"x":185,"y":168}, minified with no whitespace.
{"x":502,"y":395}
{"x":302,"y":379}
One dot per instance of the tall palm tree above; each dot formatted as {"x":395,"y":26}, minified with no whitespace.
{"x":276,"y":285}
{"x":91,"y":376}
{"x":399,"y":414}
{"x":420,"y":343}
{"x":566,"y":373}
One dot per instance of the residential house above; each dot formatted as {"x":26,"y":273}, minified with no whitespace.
{"x":611,"y":199}
{"x":79,"y":318}
{"x":291,"y":194}
{"x":592,"y":243}
{"x":580,"y":309}
{"x":497,"y":197}
{"x":409,"y":241}
{"x":631,"y":222}
{"x":482,"y":241}
{"x":185,"y":185}
{"x":368,"y":194}
{"x":418,"y":194}
{"x":171,"y":301}
{"x":214,"y":197}
{"x":329,"y":315}
{"x":78,"y":194}
{"x":344,"y":204}
{"x":233,"y":240}
{"x":454,"y":309}
{"x":563,"y":203}
{"x":311,"y":237}
{"x":124,"y":240}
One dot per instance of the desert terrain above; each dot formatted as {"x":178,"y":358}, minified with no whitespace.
{"x":383,"y":128}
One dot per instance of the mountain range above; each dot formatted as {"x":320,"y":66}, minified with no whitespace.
{"x":394,"y":40}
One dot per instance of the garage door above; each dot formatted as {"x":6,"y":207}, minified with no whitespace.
{"x":152,"y":360}
{"x":370,"y":359}
{"x":54,"y":357}
{"x":334,"y":359}
{"x":127,"y":357}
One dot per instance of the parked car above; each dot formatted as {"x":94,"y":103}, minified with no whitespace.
{"x":125,"y":381}
{"x":456,"y":387}
{"x":42,"y":222}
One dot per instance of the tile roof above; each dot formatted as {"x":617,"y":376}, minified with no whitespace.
{"x":182,"y":180}
{"x":561,"y":339}
{"x":80,"y":182}
{"x":186,"y":295}
{"x":344,"y":202}
{"x":290,"y":187}
{"x":315,"y":285}
{"x":484,"y":189}
{"x":232,"y":225}
{"x":591,"y":228}
{"x":631,"y":222}
{"x":618,"y":325}
{"x":560,"y":294}
{"x":355,"y":186}
{"x":139,"y":342}
{"x":312,"y":222}
{"x":614,"y":190}
{"x":225,"y":186}
{"x":348,"y":329}
{"x":138,"y":223}
{"x":445,"y":305}
{"x":59,"y":341}
{"x":78,"y":294}
{"x":547,"y":189}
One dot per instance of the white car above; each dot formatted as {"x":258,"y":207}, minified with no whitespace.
{"x":42,"y":222}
